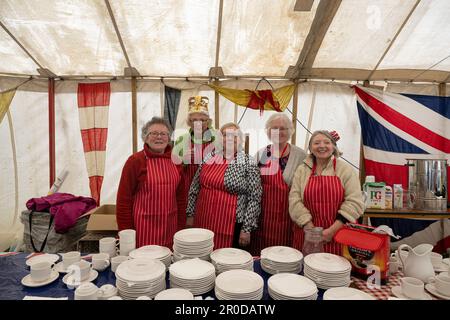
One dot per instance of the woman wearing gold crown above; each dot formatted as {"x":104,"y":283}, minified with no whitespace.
{"x":192,"y":148}
{"x":225,"y":194}
{"x":325,"y":192}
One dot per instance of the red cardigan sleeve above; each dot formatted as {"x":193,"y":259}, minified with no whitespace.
{"x":133,"y":171}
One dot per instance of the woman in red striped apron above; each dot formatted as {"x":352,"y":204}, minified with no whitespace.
{"x":325,"y":192}
{"x":226,"y":192}
{"x":277,"y":162}
{"x":146,"y":199}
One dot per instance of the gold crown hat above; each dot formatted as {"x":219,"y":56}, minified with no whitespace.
{"x":198,"y":104}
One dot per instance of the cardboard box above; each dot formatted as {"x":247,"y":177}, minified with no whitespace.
{"x":90,"y":242}
{"x":375,"y":195}
{"x":102,"y":218}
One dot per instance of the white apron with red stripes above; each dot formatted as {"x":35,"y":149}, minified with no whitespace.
{"x":189,"y":171}
{"x":155,"y":206}
{"x":275,"y":224}
{"x":216,"y":207}
{"x":323,"y":197}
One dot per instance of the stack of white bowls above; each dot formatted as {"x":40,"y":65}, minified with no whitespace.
{"x":162,"y":254}
{"x":288,"y":286}
{"x":140,"y":277}
{"x":195,"y":275}
{"x":281,"y":259}
{"x":127,"y":241}
{"x":230,"y":258}
{"x":239,"y":285}
{"x":327,"y":270}
{"x":193,"y":243}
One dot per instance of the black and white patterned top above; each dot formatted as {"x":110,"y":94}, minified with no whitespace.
{"x":243,"y":178}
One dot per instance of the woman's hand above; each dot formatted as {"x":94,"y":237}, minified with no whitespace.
{"x":329,"y":233}
{"x":309,"y":225}
{"x":189,"y":222}
{"x":244,"y":239}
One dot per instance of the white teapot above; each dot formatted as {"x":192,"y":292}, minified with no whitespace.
{"x":418,"y":262}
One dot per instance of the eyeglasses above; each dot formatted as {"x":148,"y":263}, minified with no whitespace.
{"x":199,"y":120}
{"x":280,"y":129}
{"x":155,"y":134}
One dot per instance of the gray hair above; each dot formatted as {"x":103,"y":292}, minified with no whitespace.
{"x":154,"y":120}
{"x":337,"y":153}
{"x":281,"y":116}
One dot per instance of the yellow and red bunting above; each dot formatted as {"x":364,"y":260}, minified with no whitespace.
{"x":93,"y":108}
{"x":273,"y":100}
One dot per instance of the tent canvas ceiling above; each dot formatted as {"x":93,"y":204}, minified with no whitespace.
{"x":380,"y":39}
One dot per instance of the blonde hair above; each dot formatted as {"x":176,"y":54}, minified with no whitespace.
{"x":337,"y":153}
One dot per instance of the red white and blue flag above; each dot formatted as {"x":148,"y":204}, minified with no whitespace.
{"x":396,"y":127}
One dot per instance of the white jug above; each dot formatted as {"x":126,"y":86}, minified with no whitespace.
{"x":418,"y":262}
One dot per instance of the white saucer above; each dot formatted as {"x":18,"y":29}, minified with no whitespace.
{"x":443,"y":267}
{"x":432,"y":289}
{"x":67,"y":279}
{"x":28,"y":282}
{"x":397,"y":291}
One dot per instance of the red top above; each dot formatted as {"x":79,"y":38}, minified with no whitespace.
{"x":134,"y":173}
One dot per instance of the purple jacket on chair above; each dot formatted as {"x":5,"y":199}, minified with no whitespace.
{"x":64,"y":207}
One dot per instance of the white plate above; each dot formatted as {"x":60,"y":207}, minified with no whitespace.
{"x":239,"y":281}
{"x":281,"y":254}
{"x":46,"y":257}
{"x":231,"y":256}
{"x":175,"y":294}
{"x":327,"y":262}
{"x":193,"y":235}
{"x":397,"y":291}
{"x":141,"y":270}
{"x":70,"y":281}
{"x":292,"y":285}
{"x":28,"y":282}
{"x":345,"y":293}
{"x":151,"y":252}
{"x":432,"y":289}
{"x":192,"y":269}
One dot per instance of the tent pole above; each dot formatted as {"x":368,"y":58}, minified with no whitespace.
{"x":134,"y":112}
{"x":51,"y":129}
{"x":294,"y":113}
{"x":442,"y":89}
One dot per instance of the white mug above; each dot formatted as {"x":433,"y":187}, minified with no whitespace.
{"x":80,"y":271}
{"x":87,"y":291}
{"x":412,"y":288}
{"x":116,"y":261}
{"x":100,"y":261}
{"x":442,"y":283}
{"x":436,"y":259}
{"x":107,"y":291}
{"x":127,"y":236}
{"x":393,"y":265}
{"x":109,"y":245}
{"x":71,"y":257}
{"x":126,"y":248}
{"x":41,"y":271}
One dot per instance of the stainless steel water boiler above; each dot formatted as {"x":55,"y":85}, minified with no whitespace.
{"x":427,"y":184}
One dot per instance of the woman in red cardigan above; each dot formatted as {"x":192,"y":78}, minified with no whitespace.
{"x":146,"y":199}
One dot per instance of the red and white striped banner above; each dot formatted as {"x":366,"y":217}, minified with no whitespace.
{"x":93,"y":106}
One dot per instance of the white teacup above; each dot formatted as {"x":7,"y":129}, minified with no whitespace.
{"x":100,"y":261}
{"x":116,"y":261}
{"x":393,"y":265}
{"x":127,"y":235}
{"x":107,"y":291}
{"x":71,"y":257}
{"x":109,"y":245}
{"x":87,"y":291}
{"x":442,"y":283}
{"x":412,"y":288}
{"x":436,"y":259}
{"x":41,"y":271}
{"x":80,"y":271}
{"x":126,"y":248}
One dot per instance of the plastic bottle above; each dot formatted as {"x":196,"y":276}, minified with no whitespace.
{"x":388,"y":197}
{"x":313,"y":241}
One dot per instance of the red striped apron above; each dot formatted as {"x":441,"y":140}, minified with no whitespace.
{"x":323,"y":197}
{"x":216,"y":207}
{"x":275,"y":224}
{"x":189,"y":171}
{"x":155,"y":206}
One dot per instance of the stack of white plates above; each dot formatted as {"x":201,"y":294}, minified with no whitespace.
{"x":288,"y":286}
{"x":345,"y":293}
{"x":175,"y":294}
{"x":280,"y":259}
{"x":239,"y":285}
{"x":193,"y":243}
{"x":195,"y":275}
{"x":162,"y":254}
{"x":230,"y":258}
{"x":140,"y":277}
{"x":327,"y":270}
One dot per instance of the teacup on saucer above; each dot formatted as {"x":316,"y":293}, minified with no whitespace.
{"x":431,"y":288}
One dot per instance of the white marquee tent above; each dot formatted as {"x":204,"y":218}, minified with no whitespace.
{"x":323,"y":46}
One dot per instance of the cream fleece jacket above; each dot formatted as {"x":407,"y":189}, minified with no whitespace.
{"x":352,"y":207}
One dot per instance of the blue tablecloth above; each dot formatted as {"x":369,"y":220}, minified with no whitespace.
{"x":13,"y":269}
